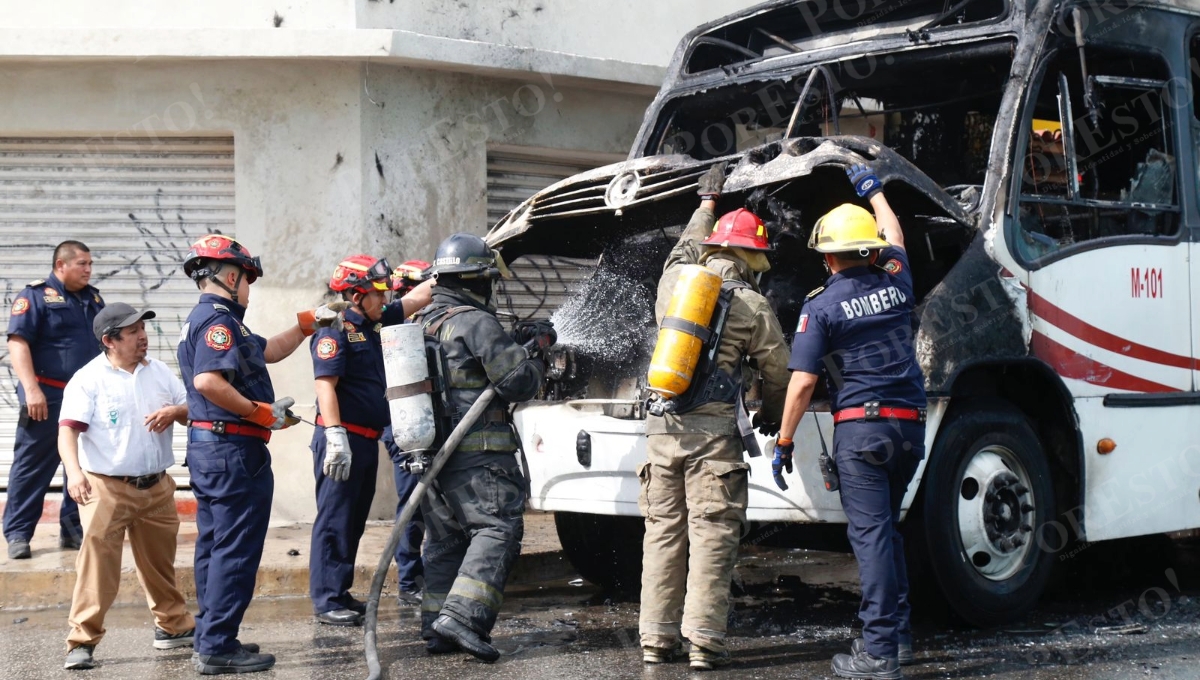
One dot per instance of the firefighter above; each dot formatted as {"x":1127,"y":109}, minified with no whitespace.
{"x":409,"y":568}
{"x":352,"y":412}
{"x":233,"y":411}
{"x":694,"y":483}
{"x":49,"y":338}
{"x":858,"y":329}
{"x":474,"y":516}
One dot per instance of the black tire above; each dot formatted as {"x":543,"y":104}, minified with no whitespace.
{"x":990,"y":435}
{"x":604,"y":549}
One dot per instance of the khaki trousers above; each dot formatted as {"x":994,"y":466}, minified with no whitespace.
{"x":149,"y":516}
{"x":694,"y":492}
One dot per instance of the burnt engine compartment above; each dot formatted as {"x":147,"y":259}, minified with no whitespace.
{"x":606,"y":326}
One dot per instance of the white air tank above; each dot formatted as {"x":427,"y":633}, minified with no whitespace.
{"x":405,"y":366}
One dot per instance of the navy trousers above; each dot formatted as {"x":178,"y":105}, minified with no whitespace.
{"x":876,"y":461}
{"x":233,"y":484}
{"x":35,"y":460}
{"x":342,"y":511}
{"x":409,"y":565}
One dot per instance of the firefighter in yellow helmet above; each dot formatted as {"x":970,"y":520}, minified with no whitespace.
{"x":857,"y":330}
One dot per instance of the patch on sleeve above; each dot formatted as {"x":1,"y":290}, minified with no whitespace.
{"x":803,"y":325}
{"x":20,"y":306}
{"x":893,"y":266}
{"x":219,"y":338}
{"x":327,"y":348}
{"x":814,"y":293}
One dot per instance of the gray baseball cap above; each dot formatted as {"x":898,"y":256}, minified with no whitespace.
{"x":117,"y":315}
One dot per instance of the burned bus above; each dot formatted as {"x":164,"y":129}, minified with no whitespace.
{"x":1042,"y":157}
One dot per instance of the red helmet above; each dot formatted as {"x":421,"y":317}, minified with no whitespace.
{"x":361,"y":273}
{"x":223,"y":249}
{"x":406,"y":276}
{"x":739,"y":229}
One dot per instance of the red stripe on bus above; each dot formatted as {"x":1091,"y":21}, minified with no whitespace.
{"x":1070,"y":364}
{"x":1103,"y":339}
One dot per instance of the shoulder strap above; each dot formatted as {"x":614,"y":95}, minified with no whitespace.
{"x":434,"y":324}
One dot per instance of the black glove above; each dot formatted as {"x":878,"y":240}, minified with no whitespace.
{"x":765,"y":429}
{"x":540,"y":333}
{"x":712,"y":182}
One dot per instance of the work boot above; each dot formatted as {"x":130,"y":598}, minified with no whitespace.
{"x":18,"y":549}
{"x":80,"y":658}
{"x":69,"y":541}
{"x":701,"y":659}
{"x":436,"y":644}
{"x":661,"y":654}
{"x":340,"y":617}
{"x":468,"y":640}
{"x":905,"y":655}
{"x":240,"y":661}
{"x":866,"y":666}
{"x":409,"y":598}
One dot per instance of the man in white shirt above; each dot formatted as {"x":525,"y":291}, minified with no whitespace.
{"x":114,"y":438}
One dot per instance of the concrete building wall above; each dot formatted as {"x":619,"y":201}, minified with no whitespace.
{"x":82,"y":14}
{"x":627,"y":30}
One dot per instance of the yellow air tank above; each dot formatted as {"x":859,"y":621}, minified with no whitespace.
{"x":683,"y":331}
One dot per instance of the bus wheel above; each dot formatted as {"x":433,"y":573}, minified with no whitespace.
{"x":606,"y":550}
{"x":988,"y":502}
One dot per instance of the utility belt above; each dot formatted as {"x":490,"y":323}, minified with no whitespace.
{"x":51,"y":382}
{"x":359,"y":430}
{"x":223,"y":428}
{"x":141,"y":483}
{"x":873,"y":411}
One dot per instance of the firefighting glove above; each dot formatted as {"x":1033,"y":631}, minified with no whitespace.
{"x":782,"y":461}
{"x":539,"y":333}
{"x":712,"y":182}
{"x":866,"y":182}
{"x":325,"y":316}
{"x":270,"y":416}
{"x":337,"y":454}
{"x":765,"y":429}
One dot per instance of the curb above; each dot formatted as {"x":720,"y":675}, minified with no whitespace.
{"x":185,"y":505}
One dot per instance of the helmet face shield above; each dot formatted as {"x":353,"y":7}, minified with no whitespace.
{"x":379,"y":276}
{"x":254,"y":269}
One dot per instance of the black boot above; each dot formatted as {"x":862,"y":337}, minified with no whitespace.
{"x":465,"y":638}
{"x":866,"y":666}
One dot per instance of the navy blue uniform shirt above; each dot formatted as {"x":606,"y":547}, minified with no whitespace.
{"x":859,"y":331}
{"x":214,"y":339}
{"x":354,"y":356}
{"x":58,"y":327}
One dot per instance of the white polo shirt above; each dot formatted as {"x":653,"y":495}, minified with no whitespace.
{"x":110,"y":406}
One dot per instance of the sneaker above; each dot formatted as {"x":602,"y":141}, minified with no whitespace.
{"x":240,"y":661}
{"x":701,"y":659}
{"x":905,"y":649}
{"x":164,"y":640}
{"x":866,"y":667}
{"x":80,"y":658}
{"x":18,"y":549}
{"x":661,"y":654}
{"x":68,"y":541}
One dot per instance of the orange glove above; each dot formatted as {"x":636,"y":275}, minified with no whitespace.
{"x":262,"y":415}
{"x":307,"y":321}
{"x":327,"y":315}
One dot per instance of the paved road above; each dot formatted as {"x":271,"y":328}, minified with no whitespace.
{"x":794,"y":611}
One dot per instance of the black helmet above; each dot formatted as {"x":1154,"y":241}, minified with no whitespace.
{"x":466,"y":256}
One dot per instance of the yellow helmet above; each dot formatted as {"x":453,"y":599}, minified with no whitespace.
{"x":846,"y":228}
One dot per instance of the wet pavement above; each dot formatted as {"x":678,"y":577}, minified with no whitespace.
{"x":1128,"y":609}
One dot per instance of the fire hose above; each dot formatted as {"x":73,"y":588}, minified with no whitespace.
{"x":371,"y":619}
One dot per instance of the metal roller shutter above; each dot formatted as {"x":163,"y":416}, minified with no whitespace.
{"x":137,"y":204}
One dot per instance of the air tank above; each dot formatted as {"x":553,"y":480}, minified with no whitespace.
{"x":683,"y":331}
{"x":407,"y":373}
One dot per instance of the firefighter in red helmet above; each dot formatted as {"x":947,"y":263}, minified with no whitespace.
{"x":694,"y":482}
{"x":352,"y":412}
{"x":232,"y":412}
